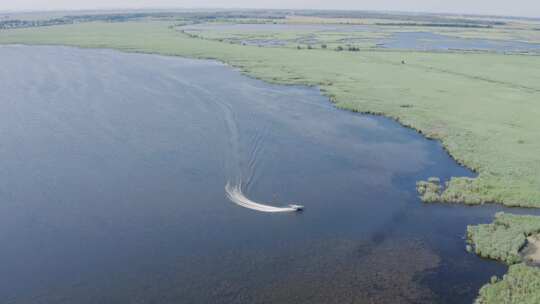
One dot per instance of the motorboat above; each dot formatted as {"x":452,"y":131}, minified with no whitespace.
{"x":297,"y":207}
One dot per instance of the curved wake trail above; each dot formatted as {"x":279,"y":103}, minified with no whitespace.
{"x":235,"y":165}
{"x":234,"y":193}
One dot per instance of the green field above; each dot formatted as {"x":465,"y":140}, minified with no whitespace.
{"x":483,"y":107}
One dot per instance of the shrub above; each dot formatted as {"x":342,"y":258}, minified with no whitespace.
{"x":430,"y":190}
{"x":503,"y":239}
{"x":520,"y":285}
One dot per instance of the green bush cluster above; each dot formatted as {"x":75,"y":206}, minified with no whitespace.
{"x":520,"y":285}
{"x":463,"y":190}
{"x":503,"y":239}
{"x":430,"y":190}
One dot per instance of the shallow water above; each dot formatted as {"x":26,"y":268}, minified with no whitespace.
{"x":432,"y":41}
{"x":424,"y":40}
{"x":113,"y":175}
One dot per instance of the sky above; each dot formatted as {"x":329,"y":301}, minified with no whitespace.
{"x":529,"y":8}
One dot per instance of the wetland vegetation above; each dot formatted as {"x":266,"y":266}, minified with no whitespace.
{"x":481,"y":105}
{"x":503,"y":240}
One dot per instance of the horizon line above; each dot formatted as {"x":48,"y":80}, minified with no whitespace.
{"x":150,"y":8}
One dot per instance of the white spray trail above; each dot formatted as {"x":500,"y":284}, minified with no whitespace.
{"x":234,"y":193}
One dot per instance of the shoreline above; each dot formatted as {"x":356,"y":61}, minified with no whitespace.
{"x":244,"y":69}
{"x":331,"y":99}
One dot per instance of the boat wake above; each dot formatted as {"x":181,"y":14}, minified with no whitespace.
{"x":243,"y":171}
{"x":234,"y":193}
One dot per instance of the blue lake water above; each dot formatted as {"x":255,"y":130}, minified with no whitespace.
{"x":112,"y":190}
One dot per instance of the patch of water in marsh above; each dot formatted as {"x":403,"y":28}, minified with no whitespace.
{"x":398,"y":39}
{"x":428,"y":41}
{"x":113,"y":174}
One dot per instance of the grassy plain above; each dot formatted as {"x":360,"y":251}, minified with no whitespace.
{"x":483,"y":107}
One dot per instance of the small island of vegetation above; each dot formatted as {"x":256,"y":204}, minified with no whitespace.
{"x":504,"y":240}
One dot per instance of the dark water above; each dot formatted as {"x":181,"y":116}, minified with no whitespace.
{"x":432,"y":41}
{"x":112,"y":190}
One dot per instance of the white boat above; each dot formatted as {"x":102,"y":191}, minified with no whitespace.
{"x":296,"y":207}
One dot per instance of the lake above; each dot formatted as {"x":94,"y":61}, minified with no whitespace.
{"x":113,"y":175}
